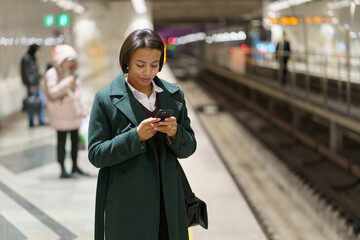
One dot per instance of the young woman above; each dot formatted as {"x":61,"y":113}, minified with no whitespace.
{"x":65,"y":107}
{"x":139,"y":192}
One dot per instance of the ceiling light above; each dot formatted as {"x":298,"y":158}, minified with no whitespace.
{"x":68,"y":5}
{"x":139,"y":6}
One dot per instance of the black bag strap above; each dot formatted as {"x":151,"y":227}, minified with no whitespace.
{"x":185,"y":183}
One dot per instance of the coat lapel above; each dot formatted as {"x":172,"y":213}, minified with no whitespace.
{"x":166,"y":97}
{"x":125,"y":102}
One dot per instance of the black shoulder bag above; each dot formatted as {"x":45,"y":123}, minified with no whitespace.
{"x":196,"y":208}
{"x":32,"y":104}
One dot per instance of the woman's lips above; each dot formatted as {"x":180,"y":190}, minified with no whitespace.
{"x":146,"y":79}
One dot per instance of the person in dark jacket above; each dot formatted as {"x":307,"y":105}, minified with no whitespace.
{"x":283,"y":51}
{"x":31,"y":79}
{"x":139,"y":192}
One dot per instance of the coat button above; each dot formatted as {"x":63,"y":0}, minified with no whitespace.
{"x":123,"y":152}
{"x":184,"y":144}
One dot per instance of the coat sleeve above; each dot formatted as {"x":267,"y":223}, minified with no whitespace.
{"x":105,"y":150}
{"x":56,"y":89}
{"x":30,"y":71}
{"x":185,"y":143}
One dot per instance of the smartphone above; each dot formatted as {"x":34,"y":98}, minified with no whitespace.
{"x":164,"y":113}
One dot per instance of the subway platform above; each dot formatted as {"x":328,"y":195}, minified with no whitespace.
{"x":36,"y":204}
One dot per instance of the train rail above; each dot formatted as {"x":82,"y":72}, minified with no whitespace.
{"x":332,"y":176}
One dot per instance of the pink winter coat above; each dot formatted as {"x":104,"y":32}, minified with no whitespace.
{"x":64,"y":102}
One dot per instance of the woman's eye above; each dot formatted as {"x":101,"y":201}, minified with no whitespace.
{"x":154,"y":66}
{"x":140,"y":66}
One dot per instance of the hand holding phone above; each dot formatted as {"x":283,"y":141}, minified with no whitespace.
{"x":164,"y":113}
{"x":168,"y":127}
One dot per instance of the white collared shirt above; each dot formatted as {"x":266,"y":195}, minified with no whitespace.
{"x":149,"y":103}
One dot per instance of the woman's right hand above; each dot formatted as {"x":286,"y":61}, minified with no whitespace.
{"x":145,"y":130}
{"x":74,"y":66}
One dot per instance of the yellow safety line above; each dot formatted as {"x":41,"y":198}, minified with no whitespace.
{"x":190,"y":234}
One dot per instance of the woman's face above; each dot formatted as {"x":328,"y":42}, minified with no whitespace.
{"x":143,"y":67}
{"x":67,"y":64}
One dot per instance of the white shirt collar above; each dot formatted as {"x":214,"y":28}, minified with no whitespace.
{"x":148,"y":102}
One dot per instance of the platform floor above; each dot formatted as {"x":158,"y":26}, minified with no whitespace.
{"x":36,"y":204}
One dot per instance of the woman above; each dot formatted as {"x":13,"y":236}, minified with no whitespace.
{"x":62,"y":88}
{"x":139,"y":192}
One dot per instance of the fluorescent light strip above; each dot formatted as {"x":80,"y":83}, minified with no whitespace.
{"x":284,"y":4}
{"x":68,"y":5}
{"x":219,"y":37}
{"x":139,"y":6}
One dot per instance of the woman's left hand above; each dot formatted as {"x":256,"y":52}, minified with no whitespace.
{"x":168,"y":126}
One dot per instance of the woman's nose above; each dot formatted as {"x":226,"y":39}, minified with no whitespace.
{"x":147,"y":71}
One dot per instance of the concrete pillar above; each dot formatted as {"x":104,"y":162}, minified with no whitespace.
{"x":101,"y":30}
{"x":336,"y":137}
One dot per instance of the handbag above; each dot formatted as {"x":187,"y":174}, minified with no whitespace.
{"x":196,"y":208}
{"x":32,"y":104}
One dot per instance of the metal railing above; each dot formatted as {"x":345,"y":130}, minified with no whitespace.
{"x":336,"y":76}
{"x":345,"y":70}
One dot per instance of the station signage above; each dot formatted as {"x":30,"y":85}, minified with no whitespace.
{"x":285,"y":20}
{"x":49,"y":20}
{"x":292,"y":20}
{"x":62,"y":20}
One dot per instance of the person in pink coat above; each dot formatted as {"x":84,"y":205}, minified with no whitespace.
{"x":64,"y":104}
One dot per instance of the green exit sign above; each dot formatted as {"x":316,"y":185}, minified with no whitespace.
{"x":63,"y":20}
{"x":49,"y":20}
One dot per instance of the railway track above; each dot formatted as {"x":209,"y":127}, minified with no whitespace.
{"x":335,"y":185}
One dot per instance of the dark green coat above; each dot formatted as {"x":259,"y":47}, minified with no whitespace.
{"x":128,"y":190}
